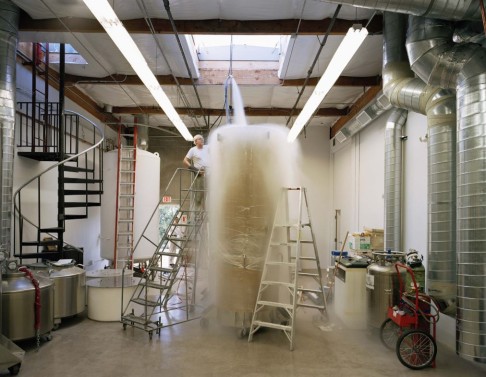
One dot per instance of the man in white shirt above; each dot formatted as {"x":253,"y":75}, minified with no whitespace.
{"x":197,"y":160}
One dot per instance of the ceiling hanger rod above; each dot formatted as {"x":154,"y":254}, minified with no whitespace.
{"x":171,"y":19}
{"x":309,"y":72}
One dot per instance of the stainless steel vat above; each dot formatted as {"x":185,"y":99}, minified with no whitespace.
{"x":69,"y":288}
{"x":18,"y":303}
{"x":382,"y":286}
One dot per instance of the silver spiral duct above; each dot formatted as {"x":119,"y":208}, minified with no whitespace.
{"x":431,"y":48}
{"x":438,"y":105}
{"x":393,"y":179}
{"x":9,"y":20}
{"x":444,"y":9}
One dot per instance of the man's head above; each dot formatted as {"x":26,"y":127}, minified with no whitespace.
{"x":198,"y":139}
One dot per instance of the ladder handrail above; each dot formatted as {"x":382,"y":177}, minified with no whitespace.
{"x":37,"y":176}
{"x":178,"y":171}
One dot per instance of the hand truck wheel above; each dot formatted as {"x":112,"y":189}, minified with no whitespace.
{"x":416,"y":349}
{"x":389,"y":333}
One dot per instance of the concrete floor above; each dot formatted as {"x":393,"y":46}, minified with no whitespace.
{"x":323,"y":347}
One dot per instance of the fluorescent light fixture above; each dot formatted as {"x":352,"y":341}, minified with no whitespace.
{"x":117,"y":32}
{"x":346,"y":50}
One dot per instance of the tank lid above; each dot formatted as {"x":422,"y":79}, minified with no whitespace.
{"x":17,"y":282}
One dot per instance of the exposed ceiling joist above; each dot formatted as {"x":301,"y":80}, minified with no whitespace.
{"x":249,"y":111}
{"x":359,"y":105}
{"x":219,"y":77}
{"x":163,"y":26}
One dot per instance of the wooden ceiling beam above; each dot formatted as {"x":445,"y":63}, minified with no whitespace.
{"x":249,"y":111}
{"x":219,"y":76}
{"x":163,"y":26}
{"x":359,"y":105}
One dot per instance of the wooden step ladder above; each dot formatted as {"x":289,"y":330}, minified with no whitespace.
{"x":125,"y":202}
{"x":283,"y":279}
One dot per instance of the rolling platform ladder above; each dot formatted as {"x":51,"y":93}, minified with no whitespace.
{"x":150,"y":304}
{"x":292,"y":250}
{"x":125,"y":203}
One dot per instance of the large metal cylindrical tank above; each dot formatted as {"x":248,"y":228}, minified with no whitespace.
{"x":147,"y":191}
{"x":69,"y":289}
{"x":248,"y":167}
{"x":18,"y":299}
{"x":382,"y":286}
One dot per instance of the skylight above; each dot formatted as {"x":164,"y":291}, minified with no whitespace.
{"x":71,"y":55}
{"x":244,"y":47}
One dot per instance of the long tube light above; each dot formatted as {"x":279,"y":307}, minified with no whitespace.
{"x":346,"y":50}
{"x":106,"y":16}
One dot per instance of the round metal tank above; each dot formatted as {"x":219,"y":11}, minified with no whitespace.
{"x":69,"y":288}
{"x":18,"y":299}
{"x":382,"y":286}
{"x":248,"y":168}
{"x":147,"y":191}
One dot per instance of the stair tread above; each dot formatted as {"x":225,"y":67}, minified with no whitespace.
{"x":75,"y":217}
{"x":51,"y":255}
{"x":155,"y":285}
{"x":82,"y":192}
{"x":81,"y":180}
{"x":77,"y":169}
{"x":51,"y":230}
{"x":81,"y":204}
{"x":142,"y":301}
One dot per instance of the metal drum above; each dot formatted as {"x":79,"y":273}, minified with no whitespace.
{"x":69,"y":289}
{"x":18,"y":303}
{"x":382,"y":286}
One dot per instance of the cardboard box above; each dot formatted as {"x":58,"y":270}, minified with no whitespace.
{"x":376,"y":238}
{"x":358,"y":241}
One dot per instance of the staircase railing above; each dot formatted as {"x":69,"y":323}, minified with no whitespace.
{"x":97,"y":160}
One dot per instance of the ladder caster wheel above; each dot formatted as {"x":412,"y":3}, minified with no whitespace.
{"x":151,"y":333}
{"x":204,"y":323}
{"x":47,"y":337}
{"x":56,"y":326}
{"x":124,"y":326}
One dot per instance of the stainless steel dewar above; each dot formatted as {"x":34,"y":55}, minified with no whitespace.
{"x":18,"y":303}
{"x":69,"y":288}
{"x":382,"y":287}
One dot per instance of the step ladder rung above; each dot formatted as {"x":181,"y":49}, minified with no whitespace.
{"x":320,"y":307}
{"x":272,"y":325}
{"x":281,"y":283}
{"x":306,"y":258}
{"x":275,"y":304}
{"x":312,"y":274}
{"x":310,"y":290}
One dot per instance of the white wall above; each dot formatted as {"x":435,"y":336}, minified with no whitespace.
{"x":313,"y":173}
{"x":358,"y":181}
